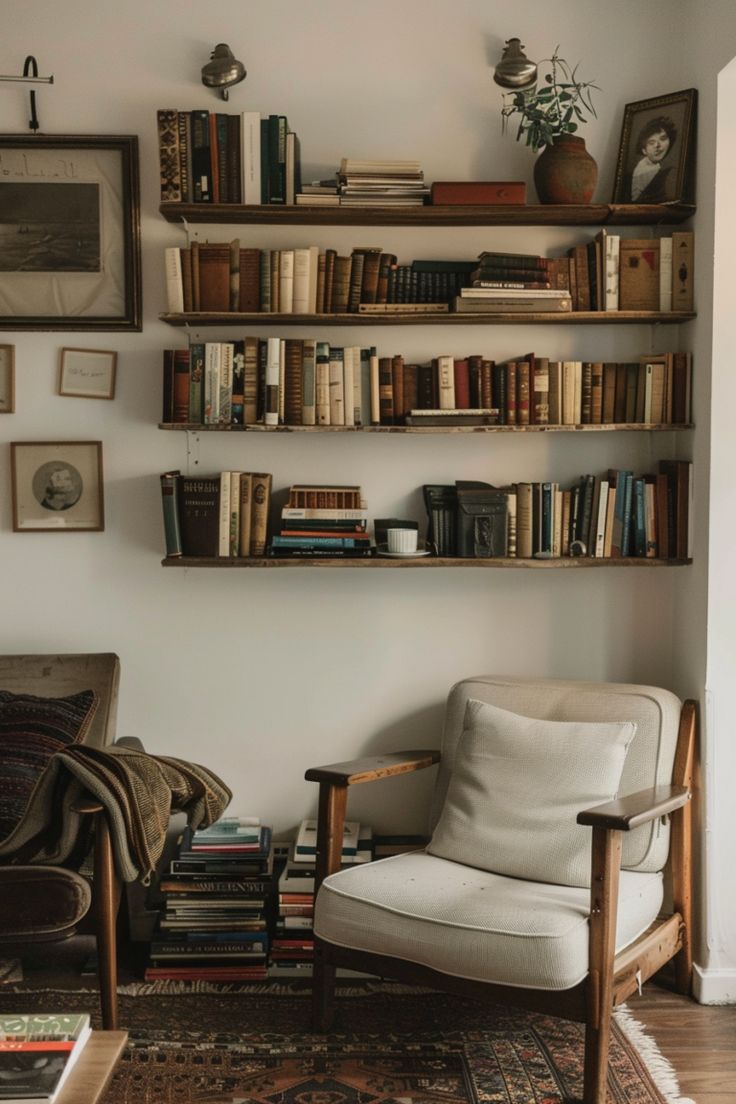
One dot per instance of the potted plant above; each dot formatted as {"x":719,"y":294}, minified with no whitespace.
{"x":550,"y":114}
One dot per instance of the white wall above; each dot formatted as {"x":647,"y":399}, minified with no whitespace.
{"x":260,"y":674}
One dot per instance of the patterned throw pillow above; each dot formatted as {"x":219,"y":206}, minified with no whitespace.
{"x":32,"y":729}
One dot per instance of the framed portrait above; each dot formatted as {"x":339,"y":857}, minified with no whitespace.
{"x":656,"y":157}
{"x":70,"y":252}
{"x":57,"y":486}
{"x":7,"y":379}
{"x":87,"y":373}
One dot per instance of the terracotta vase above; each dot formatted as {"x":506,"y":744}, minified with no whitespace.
{"x":565,"y":172}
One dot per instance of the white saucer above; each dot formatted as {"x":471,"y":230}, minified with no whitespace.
{"x":382,"y":550}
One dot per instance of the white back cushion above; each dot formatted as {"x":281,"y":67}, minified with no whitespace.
{"x":516,"y":790}
{"x":656,"y":713}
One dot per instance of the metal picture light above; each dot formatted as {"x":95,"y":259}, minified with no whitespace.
{"x":223,"y":70}
{"x":514,"y":70}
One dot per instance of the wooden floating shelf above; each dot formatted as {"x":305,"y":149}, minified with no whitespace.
{"x":381,"y":562}
{"x":589,"y":214}
{"x":196,"y":319}
{"x":194,"y":427}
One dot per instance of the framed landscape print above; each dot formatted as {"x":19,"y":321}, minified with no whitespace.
{"x":7,"y":379}
{"x":87,"y":373}
{"x":656,"y":157}
{"x":70,"y":256}
{"x":57,"y":486}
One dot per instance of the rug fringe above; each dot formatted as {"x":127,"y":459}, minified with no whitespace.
{"x":275,"y":988}
{"x":660,"y":1068}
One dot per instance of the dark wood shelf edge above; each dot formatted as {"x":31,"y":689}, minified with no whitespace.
{"x":594,"y":214}
{"x":425,"y":562}
{"x":195,"y":319}
{"x":195,"y":427}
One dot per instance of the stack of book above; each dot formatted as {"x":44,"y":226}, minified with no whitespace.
{"x":320,"y":193}
{"x":512,"y":282}
{"x":214,"y":923}
{"x":38,"y":1052}
{"x":208,"y":157}
{"x":613,"y":516}
{"x":292,"y":946}
{"x":323,"y":521}
{"x":216,"y":515}
{"x":375,"y":183}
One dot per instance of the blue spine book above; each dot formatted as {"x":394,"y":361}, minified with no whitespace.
{"x":640,"y":523}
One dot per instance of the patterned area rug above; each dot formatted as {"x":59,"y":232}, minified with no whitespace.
{"x":389,"y":1046}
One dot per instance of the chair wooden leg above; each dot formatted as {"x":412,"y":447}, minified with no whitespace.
{"x":107,"y":902}
{"x":323,"y":990}
{"x":606,"y":865}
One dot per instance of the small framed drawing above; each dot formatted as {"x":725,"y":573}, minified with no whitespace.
{"x":7,"y":379}
{"x":87,"y":373}
{"x":70,"y":232}
{"x":57,"y":486}
{"x":656,"y":157}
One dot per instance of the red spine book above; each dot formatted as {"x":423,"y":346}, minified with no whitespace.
{"x":462,"y":385}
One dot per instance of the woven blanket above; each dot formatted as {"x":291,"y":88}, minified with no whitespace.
{"x":139,"y":793}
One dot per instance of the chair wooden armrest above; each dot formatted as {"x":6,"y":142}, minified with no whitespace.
{"x":333,"y":791}
{"x":629,"y":812}
{"x":373,"y":767}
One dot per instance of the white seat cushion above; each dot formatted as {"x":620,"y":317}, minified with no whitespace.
{"x":474,"y":924}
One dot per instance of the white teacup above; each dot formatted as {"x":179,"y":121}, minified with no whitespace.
{"x":401,"y":540}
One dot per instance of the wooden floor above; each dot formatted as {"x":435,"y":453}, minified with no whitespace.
{"x":699,"y":1040}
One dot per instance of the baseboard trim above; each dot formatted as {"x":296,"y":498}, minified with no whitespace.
{"x":714,"y":986}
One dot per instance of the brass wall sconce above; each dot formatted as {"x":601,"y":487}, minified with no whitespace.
{"x":514,"y":70}
{"x":223,"y":70}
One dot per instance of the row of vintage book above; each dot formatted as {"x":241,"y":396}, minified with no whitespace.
{"x":612,"y":516}
{"x":225,"y":514}
{"x":307,"y":382}
{"x":224,"y":277}
{"x":214,"y":157}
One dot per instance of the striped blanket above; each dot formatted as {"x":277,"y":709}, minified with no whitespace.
{"x":139,"y":792}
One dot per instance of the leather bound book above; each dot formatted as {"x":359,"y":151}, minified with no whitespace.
{"x":609,"y":393}
{"x":199,"y":514}
{"x":201,"y":168}
{"x":264,"y":275}
{"x":555,"y":392}
{"x":385,"y":263}
{"x":424,"y":387}
{"x":214,"y":277}
{"x":540,"y":391}
{"x":214,"y":158}
{"x":511,"y":391}
{"x":385,"y":391}
{"x":167,"y":407}
{"x":196,"y":383}
{"x":486,"y":384}
{"x":400,"y":409}
{"x":475,"y":398}
{"x":184,"y":123}
{"x":462,"y":384}
{"x":680,"y":388}
{"x":194,"y":251}
{"x":683,"y":242}
{"x":586,"y":410}
{"x":233,"y":160}
{"x":523,"y":396}
{"x":181,"y":386}
{"x":340,"y":285}
{"x":632,"y":381}
{"x":250,"y":402}
{"x":234,"y":274}
{"x":168,"y":155}
{"x":371,"y":266}
{"x":186,"y":278}
{"x":478,"y":192}
{"x":619,"y":409}
{"x":582,"y":277}
{"x":596,"y":393}
{"x":357,"y":264}
{"x":250,"y":281}
{"x":499,"y":391}
{"x":294,"y":381}
{"x":321,"y":273}
{"x":330,"y":255}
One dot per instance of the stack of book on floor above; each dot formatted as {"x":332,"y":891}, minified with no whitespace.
{"x":292,"y":947}
{"x":512,"y":282}
{"x":323,"y":521}
{"x":375,"y":183}
{"x":217,"y":898}
{"x":38,"y":1052}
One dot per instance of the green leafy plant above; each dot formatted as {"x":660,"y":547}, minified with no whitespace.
{"x":552,"y":109}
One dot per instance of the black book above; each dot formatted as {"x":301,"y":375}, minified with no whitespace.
{"x":201,"y":165}
{"x":199,"y":514}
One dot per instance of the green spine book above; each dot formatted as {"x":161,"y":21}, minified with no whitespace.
{"x":169,"y":502}
{"x":196,"y":383}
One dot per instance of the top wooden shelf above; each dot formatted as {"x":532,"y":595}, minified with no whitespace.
{"x":588,"y":214}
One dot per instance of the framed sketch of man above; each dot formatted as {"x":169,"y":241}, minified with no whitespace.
{"x":656,"y":157}
{"x":70,"y":256}
{"x":57,"y":486}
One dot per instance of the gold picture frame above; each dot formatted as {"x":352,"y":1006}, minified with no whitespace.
{"x":57,"y":486}
{"x":656,"y":157}
{"x":71,"y":247}
{"x":7,"y":379}
{"x":87,"y":373}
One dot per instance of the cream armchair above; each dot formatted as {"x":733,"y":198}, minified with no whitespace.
{"x":560,"y":811}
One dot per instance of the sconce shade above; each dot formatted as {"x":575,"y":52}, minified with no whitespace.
{"x":514,"y":69}
{"x":222,"y":70}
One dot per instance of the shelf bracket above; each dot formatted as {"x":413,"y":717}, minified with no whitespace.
{"x":194,"y":440}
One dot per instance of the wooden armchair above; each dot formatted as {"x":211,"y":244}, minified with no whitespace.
{"x":41,"y":903}
{"x":531,"y":942}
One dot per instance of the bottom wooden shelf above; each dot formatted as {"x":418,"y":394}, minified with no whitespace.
{"x":384,"y":563}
